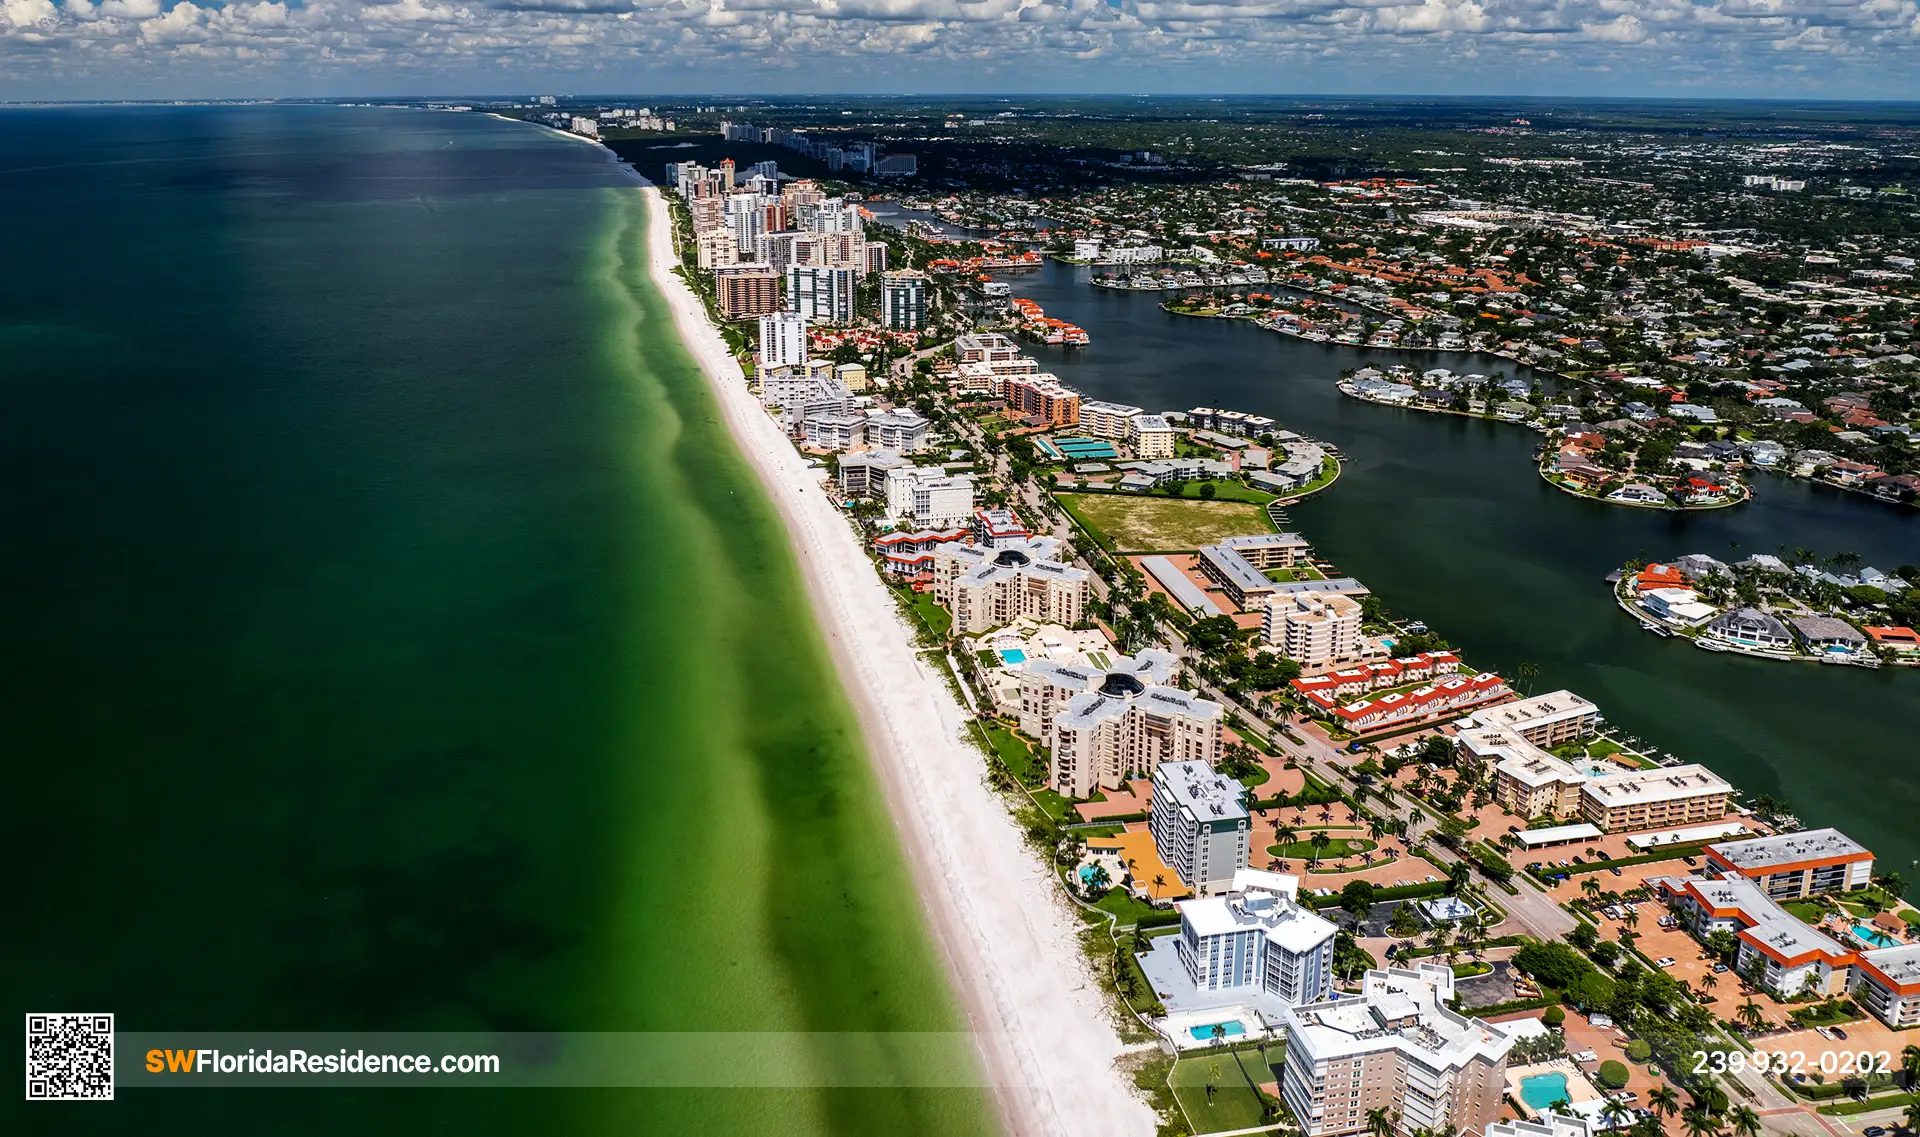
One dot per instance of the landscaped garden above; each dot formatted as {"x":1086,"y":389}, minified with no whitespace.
{"x":1335,"y":848}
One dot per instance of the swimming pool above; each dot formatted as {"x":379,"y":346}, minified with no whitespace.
{"x":1872,"y":936}
{"x":1013,"y":655}
{"x":1540,"y":1091}
{"x":1205,"y":1033}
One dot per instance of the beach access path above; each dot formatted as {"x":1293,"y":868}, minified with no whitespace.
{"x":1007,"y":935}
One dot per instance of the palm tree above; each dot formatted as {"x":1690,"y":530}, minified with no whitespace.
{"x":1910,"y":1064}
{"x":1319,"y":841}
{"x":1614,"y":1111}
{"x":1380,"y":1122}
{"x":1662,"y":1100}
{"x":1709,"y":981}
{"x":1159,"y":882}
{"x":1750,"y":1015}
{"x":1591,"y":887}
{"x":1285,"y":834}
{"x":1746,"y":1123}
{"x":1699,"y":1123}
{"x":1912,"y":1116}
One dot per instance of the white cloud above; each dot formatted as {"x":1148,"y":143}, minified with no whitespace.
{"x":261,"y":46}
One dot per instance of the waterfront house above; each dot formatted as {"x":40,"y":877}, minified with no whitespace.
{"x":1657,"y":575}
{"x":1676,"y":605}
{"x":1895,"y":638}
{"x":1750,"y":627}
{"x":1828,"y":633}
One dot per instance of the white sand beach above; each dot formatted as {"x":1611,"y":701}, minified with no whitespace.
{"x":1007,"y":935}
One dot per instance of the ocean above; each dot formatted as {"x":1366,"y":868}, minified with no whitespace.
{"x":397,"y":641}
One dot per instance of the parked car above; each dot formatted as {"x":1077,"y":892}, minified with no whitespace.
{"x":1664,"y":961}
{"x":1874,"y":1131}
{"x":1615,"y":870}
{"x":1839,"y":1034}
{"x":1719,"y":967}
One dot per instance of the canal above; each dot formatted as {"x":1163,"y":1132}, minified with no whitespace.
{"x":1446,"y":520}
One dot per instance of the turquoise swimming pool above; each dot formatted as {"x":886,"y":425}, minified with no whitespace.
{"x":1541,"y":1090}
{"x":1013,"y":655}
{"x":1872,"y":936}
{"x":1205,"y":1033}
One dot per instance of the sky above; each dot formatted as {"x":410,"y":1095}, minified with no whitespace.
{"x":116,"y":49}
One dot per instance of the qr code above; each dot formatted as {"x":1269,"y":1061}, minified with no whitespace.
{"x":69,"y":1057}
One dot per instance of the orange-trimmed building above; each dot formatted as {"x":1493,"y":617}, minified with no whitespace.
{"x":1793,"y":866}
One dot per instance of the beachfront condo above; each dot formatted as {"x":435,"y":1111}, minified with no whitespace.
{"x":1396,"y":1047}
{"x":1548,"y":720}
{"x":1200,"y":825}
{"x":929,"y":497}
{"x":1257,"y":940}
{"x":985,"y":586}
{"x":1125,"y":728}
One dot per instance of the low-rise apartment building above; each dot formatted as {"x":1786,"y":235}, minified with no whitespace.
{"x":1041,"y":397}
{"x":1270,"y":550}
{"x":1548,"y":720}
{"x":1200,"y":824}
{"x":1793,"y":866}
{"x":1397,"y":1047}
{"x":1671,"y":797}
{"x":1248,"y":586}
{"x":1108,"y":420}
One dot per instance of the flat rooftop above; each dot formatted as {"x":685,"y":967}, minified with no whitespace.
{"x":1788,"y":848}
{"x":1672,"y":783}
{"x":1200,"y":789}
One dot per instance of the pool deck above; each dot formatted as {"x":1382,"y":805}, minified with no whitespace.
{"x":1579,"y":1089}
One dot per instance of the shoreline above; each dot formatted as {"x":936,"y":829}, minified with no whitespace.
{"x":1009,"y":941}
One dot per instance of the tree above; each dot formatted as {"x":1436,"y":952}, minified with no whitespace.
{"x":1613,"y":1074}
{"x":1319,"y":841}
{"x":1750,"y":1015}
{"x":1662,"y":1100}
{"x":1554,"y":1017}
{"x":1380,"y":1122}
{"x":1698,"y":1123}
{"x":1357,"y":898}
{"x":1912,"y":1116}
{"x":1910,"y":1064}
{"x":1746,"y":1123}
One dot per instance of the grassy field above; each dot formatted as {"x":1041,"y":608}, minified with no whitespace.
{"x":1336,"y":848}
{"x":1158,"y":524}
{"x":1235,"y":1104}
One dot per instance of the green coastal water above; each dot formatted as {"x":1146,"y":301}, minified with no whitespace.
{"x":397,"y":641}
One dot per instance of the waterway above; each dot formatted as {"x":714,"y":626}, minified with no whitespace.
{"x":1446,"y":520}
{"x":396,"y":640}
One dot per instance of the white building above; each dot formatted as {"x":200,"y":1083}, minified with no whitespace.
{"x":899,"y":429}
{"x":1258,"y":938}
{"x":783,"y":340}
{"x":1200,"y":825}
{"x":1397,"y":1047}
{"x":928,"y":497}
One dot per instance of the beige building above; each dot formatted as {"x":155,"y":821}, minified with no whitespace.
{"x":1548,"y":720}
{"x":746,"y":290}
{"x":1395,"y":1046}
{"x":987,"y":586}
{"x":1270,"y":550}
{"x":1151,"y":436}
{"x":1124,"y":728}
{"x":715,"y":249}
{"x":1317,"y":630}
{"x":1670,"y":797}
{"x":1529,"y":782}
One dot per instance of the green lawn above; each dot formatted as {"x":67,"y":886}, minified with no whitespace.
{"x":1235,"y":1104}
{"x":936,"y":618}
{"x":1027,"y":765}
{"x":1298,"y":572}
{"x":1129,"y":910}
{"x":1337,"y":848}
{"x":1160,"y":524}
